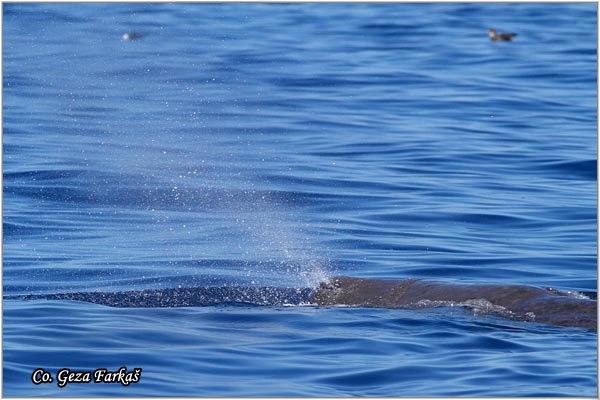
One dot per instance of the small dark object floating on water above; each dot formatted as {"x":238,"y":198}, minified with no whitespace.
{"x":132,"y":36}
{"x":503,"y":37}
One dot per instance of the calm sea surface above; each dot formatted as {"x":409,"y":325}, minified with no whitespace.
{"x":281,"y":144}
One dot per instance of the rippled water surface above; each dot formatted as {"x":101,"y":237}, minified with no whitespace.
{"x":281,"y":144}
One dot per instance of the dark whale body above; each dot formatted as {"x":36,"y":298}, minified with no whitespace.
{"x":517,"y":302}
{"x":185,"y":297}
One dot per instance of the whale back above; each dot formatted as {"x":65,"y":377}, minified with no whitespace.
{"x":344,"y":290}
{"x":519,"y":302}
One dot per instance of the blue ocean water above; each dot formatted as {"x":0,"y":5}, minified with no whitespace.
{"x":281,"y":144}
